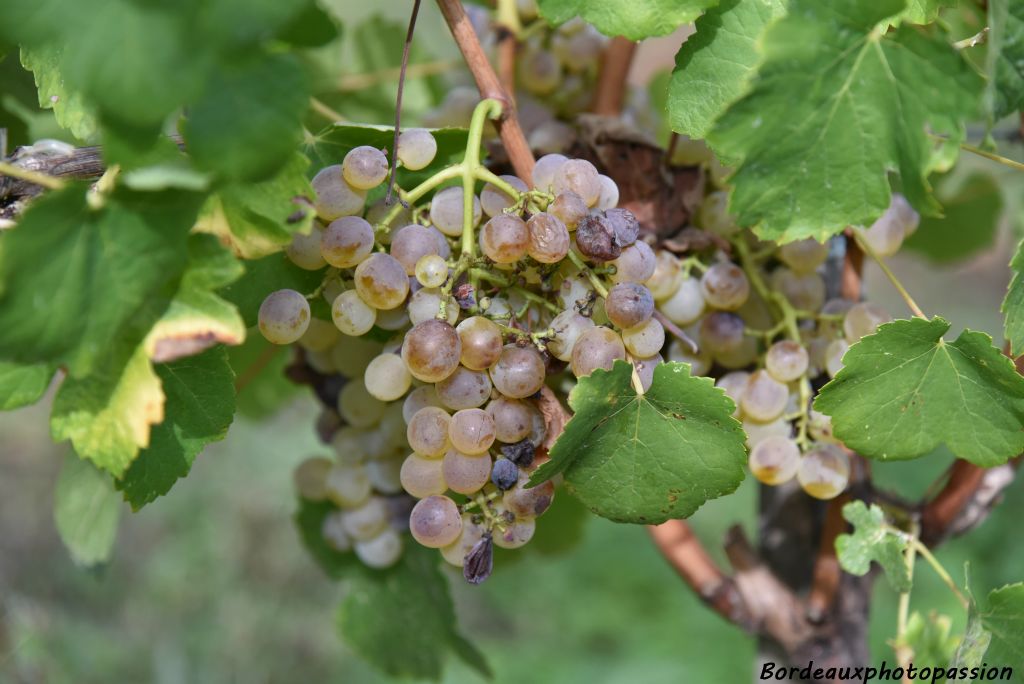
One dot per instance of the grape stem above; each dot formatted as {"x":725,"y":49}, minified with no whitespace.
{"x":398,"y":99}
{"x":418,"y":192}
{"x":46,"y":181}
{"x":595,"y":282}
{"x":858,"y":235}
{"x":904,"y":653}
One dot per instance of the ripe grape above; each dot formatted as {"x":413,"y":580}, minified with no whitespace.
{"x":421,"y":397}
{"x":387,"y":378}
{"x":636,"y":264}
{"x":411,"y":243}
{"x":834,"y":356}
{"x":504,"y":239}
{"x":392,"y":319}
{"x":366,"y":521}
{"x":686,"y":304}
{"x":446,"y":211}
{"x":757,"y":432}
{"x":471,"y":431}
{"x":540,"y":72}
{"x":333,"y":532}
{"x":466,"y":473}
{"x":532,"y":502}
{"x":721,"y":331}
{"x":570,"y":208}
{"x":464,"y":389}
{"x":347,"y":241}
{"x":351,"y":355}
{"x":575,"y":293}
{"x":725,"y":286}
{"x":381,"y":281}
{"x":609,"y":193}
{"x":427,"y":432}
{"x":472,"y":532}
{"x":567,"y":328}
{"x":423,"y":477}
{"x":597,"y":347}
{"x":819,"y":426}
{"x":551,"y":136}
{"x":786,"y":361}
{"x":548,"y":238}
{"x":545,"y":169}
{"x":645,"y":369}
{"x":667,"y":276}
{"x":803,"y":256}
{"x":426,"y":304}
{"x":774,"y":460}
{"x":629,"y":304}
{"x":283,"y":316}
{"x":644,"y":340}
{"x":352,"y":315}
{"x":741,"y":356}
{"x":579,"y":176}
{"x":320,"y":336}
{"x":347,"y":485}
{"x":824,"y":471}
{"x":334,"y":197}
{"x":734,"y":384}
{"x":304,"y":250}
{"x":804,"y":291}
{"x":515,"y":533}
{"x":364,"y":167}
{"x":431,"y":270}
{"x":481,"y":342}
{"x":435,"y":522}
{"x":519,"y":371}
{"x":863,"y":319}
{"x":713,"y":215}
{"x":764,"y":398}
{"x":385,"y":475}
{"x":311,"y":478}
{"x":513,"y":419}
{"x":358,"y":407}
{"x":885,"y":236}
{"x":431,"y":350}
{"x":416,"y":148}
{"x":381,"y":551}
{"x":494,"y":201}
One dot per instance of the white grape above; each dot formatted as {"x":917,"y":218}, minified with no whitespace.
{"x":416,"y":148}
{"x":348,"y":486}
{"x":431,"y":270}
{"x":465,"y":473}
{"x":764,"y":398}
{"x":364,"y":167}
{"x":775,"y":460}
{"x":786,"y":361}
{"x":320,"y":336}
{"x":609,"y":196}
{"x":435,"y":522}
{"x":334,"y":197}
{"x":352,"y":315}
{"x":481,"y":342}
{"x":347,"y":241}
{"x":366,"y":520}
{"x":387,"y":378}
{"x":545,"y":169}
{"x":427,"y":432}
{"x":734,"y":384}
{"x":636,"y":264}
{"x":431,"y":350}
{"x":597,"y":347}
{"x":824,"y":471}
{"x":358,"y":407}
{"x":686,"y":304}
{"x":412,"y":242}
{"x":464,"y":389}
{"x":304,"y":250}
{"x":513,"y":419}
{"x":567,"y":328}
{"x":472,"y":532}
{"x":381,"y":281}
{"x":311,"y":478}
{"x":667,"y":276}
{"x":644,"y":340}
{"x":422,"y":477}
{"x":725,"y":286}
{"x":333,"y":531}
{"x":863,"y":319}
{"x":471,"y":431}
{"x":519,"y":371}
{"x":284,"y":316}
{"x":381,"y":551}
{"x":446,"y":211}
{"x":494,"y":201}
{"x":579,"y":176}
{"x":803,"y":256}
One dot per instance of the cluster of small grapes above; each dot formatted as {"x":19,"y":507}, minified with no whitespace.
{"x":556,"y":72}
{"x":739,"y":312}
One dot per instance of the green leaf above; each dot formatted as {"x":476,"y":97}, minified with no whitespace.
{"x":970,"y":222}
{"x":872,"y":541}
{"x":263,"y":276}
{"x":714,"y":66}
{"x":249,"y":119}
{"x":309,"y":519}
{"x":1013,"y":304}
{"x":198,"y":318}
{"x":311,"y":27}
{"x":68,"y":106}
{"x":402,"y":619}
{"x":1005,"y":59}
{"x":930,"y":639}
{"x":108,"y":415}
{"x":86,"y":510}
{"x":73,"y":280}
{"x":257,"y":219}
{"x":260,"y":366}
{"x":332,"y":144}
{"x":646,"y":459}
{"x":635,"y":20}
{"x":924,"y":11}
{"x":1003,"y":618}
{"x":904,"y":390}
{"x":199,"y":408}
{"x":976,"y":640}
{"x":837,"y":106}
{"x":22,"y":385}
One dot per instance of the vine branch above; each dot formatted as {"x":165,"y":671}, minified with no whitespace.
{"x":490,"y":87}
{"x":611,"y":85}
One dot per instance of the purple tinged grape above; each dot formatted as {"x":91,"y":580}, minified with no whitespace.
{"x":521,"y":453}
{"x":479,"y":561}
{"x":504,"y":474}
{"x":625,"y":225}
{"x":596,"y":238}
{"x":629,"y":304}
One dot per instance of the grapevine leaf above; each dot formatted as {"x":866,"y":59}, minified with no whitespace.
{"x":88,"y":285}
{"x":1013,"y":304}
{"x":197,"y":318}
{"x":924,"y":11}
{"x":108,"y":415}
{"x":21,"y":385}
{"x":1003,"y":618}
{"x":68,"y":107}
{"x":311,"y":27}
{"x":646,"y":459}
{"x":332,"y":144}
{"x":872,"y":541}
{"x":971,"y":218}
{"x":86,"y":510}
{"x":976,"y":640}
{"x":930,"y":639}
{"x":1005,"y":59}
{"x":263,"y":276}
{"x":263,"y":386}
{"x":199,"y":408}
{"x":904,"y":390}
{"x":257,"y":219}
{"x":249,"y":119}
{"x":402,"y":620}
{"x":714,"y":66}
{"x":635,"y":20}
{"x":836,"y":106}
{"x":309,"y":519}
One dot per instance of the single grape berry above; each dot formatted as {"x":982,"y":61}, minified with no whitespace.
{"x":364,"y":167}
{"x":629,"y":304}
{"x":283,"y":316}
{"x":625,"y":225}
{"x":504,"y":474}
{"x":596,"y":238}
{"x":416,"y":148}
